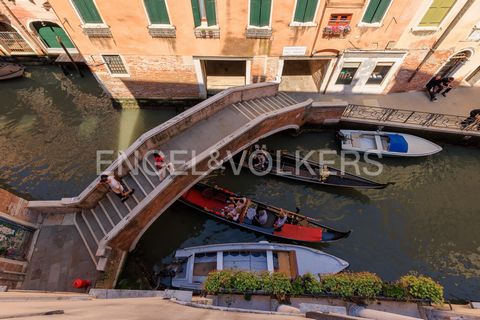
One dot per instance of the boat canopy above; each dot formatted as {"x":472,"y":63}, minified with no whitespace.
{"x":397,"y":143}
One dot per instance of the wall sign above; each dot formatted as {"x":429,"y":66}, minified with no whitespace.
{"x":294,"y":51}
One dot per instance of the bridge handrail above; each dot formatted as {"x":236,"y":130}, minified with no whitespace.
{"x":198,"y":159}
{"x":184,"y":116}
{"x":395,"y":115}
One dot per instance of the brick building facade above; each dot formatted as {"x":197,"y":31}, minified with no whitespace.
{"x":165,"y":49}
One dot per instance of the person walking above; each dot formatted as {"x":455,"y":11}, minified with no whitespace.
{"x":446,"y":84}
{"x":433,"y":86}
{"x":116,"y":186}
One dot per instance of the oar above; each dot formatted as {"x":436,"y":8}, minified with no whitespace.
{"x":291,"y":213}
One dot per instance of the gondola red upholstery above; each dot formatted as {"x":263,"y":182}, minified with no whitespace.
{"x":196,"y":197}
{"x":300,"y":233}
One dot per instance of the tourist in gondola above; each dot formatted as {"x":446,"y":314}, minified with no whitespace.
{"x":282,"y":218}
{"x":261,"y":217}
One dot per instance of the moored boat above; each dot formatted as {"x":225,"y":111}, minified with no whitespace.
{"x":288,"y":166}
{"x":387,"y":143}
{"x":258,"y":217}
{"x":10,"y":71}
{"x":194,"y":263}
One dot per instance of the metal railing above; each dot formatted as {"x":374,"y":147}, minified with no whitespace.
{"x":423,"y":119}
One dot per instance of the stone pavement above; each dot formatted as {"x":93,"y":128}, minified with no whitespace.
{"x":459,"y":101}
{"x":59,"y":258}
{"x":136,"y":308}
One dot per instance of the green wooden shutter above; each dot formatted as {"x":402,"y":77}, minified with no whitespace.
{"x":49,"y":36}
{"x":255,"y":12}
{"x":436,"y":13}
{"x":310,"y":11}
{"x":300,"y":11}
{"x":157,"y":11}
{"x":381,"y":9}
{"x":197,"y":19}
{"x":265,"y":8}
{"x":211,"y":14}
{"x":88,"y":11}
{"x":370,"y":12}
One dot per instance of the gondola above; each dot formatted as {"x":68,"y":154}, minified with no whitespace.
{"x":285,"y":166}
{"x":10,"y":71}
{"x":212,"y":200}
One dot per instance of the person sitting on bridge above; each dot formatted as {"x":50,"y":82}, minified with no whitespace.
{"x":116,"y":186}
{"x":161,"y":163}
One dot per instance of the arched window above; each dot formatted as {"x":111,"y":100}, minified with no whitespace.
{"x":454,"y":63}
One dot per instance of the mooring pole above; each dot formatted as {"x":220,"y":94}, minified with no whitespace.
{"x":69,"y":56}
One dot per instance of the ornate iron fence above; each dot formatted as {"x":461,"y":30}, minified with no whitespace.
{"x":424,"y":119}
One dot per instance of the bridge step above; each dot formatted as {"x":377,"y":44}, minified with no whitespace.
{"x":119,"y":206}
{"x":110,"y":211}
{"x":102,"y":218}
{"x":90,"y":243}
{"x":92,"y":225}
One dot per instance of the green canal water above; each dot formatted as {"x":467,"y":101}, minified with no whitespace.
{"x":51,"y":127}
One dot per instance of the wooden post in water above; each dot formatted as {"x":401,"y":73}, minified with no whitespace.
{"x":69,"y":56}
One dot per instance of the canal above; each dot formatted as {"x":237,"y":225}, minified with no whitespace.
{"x":51,"y":127}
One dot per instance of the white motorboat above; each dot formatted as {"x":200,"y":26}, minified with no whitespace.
{"x":195,"y":263}
{"x":387,"y":143}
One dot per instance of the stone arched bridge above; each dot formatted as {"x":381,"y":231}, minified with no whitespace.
{"x":227,"y":122}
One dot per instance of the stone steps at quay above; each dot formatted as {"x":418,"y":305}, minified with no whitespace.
{"x":96,"y":223}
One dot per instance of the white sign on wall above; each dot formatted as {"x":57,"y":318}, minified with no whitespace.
{"x":294,"y":51}
{"x":475,"y":35}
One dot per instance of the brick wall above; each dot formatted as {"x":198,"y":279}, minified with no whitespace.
{"x":427,"y":71}
{"x":150,"y":77}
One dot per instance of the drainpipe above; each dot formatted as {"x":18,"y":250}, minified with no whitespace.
{"x":439,"y":41}
{"x":319,"y":27}
{"x":358,"y":311}
{"x":23,"y":28}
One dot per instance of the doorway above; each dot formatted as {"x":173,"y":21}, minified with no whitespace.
{"x":473,"y":77}
{"x":454,"y":63}
{"x":224,"y":74}
{"x":49,"y":31}
{"x":303,"y":75}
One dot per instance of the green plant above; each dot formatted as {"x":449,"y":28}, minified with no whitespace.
{"x":422,"y":287}
{"x":366,"y":284}
{"x":298,"y":287}
{"x":244,"y":281}
{"x":338,"y":284}
{"x":312,"y":284}
{"x":218,"y":281}
{"x":393,"y":290}
{"x":276,"y":283}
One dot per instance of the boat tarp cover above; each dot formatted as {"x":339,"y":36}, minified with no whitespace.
{"x":397,"y":143}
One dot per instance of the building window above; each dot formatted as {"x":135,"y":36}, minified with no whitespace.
{"x":340,"y":19}
{"x":375,"y":11}
{"x":87,"y":10}
{"x":348,"y":72}
{"x":260,"y":13}
{"x":115,"y":64}
{"x":436,"y":13}
{"x":305,"y":10}
{"x":204,"y":13}
{"x":157,"y":11}
{"x":379,"y":73}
